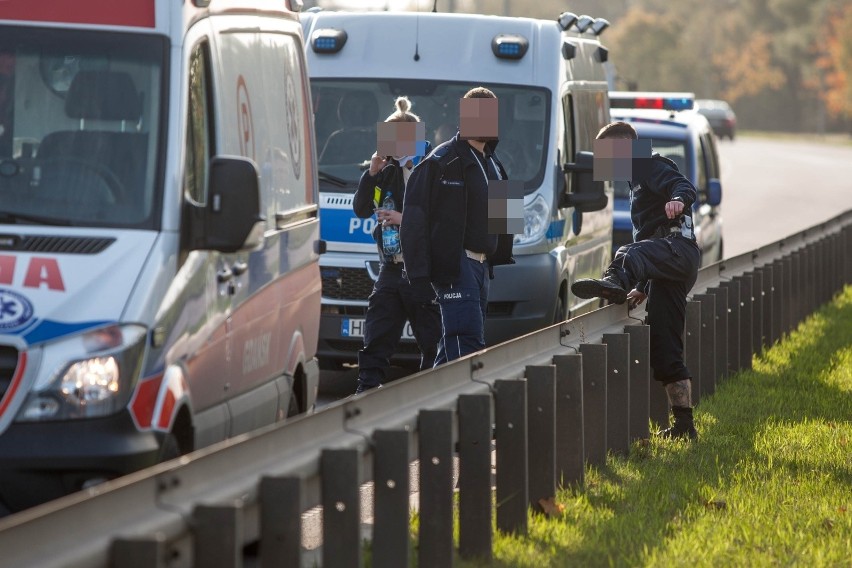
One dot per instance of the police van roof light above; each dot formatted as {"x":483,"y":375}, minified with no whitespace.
{"x":599,"y":26}
{"x":509,"y":46}
{"x":584,"y":22}
{"x":566,"y":20}
{"x":328,"y":40}
{"x":648,"y":100}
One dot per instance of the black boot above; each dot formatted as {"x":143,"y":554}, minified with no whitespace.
{"x":609,"y":288}
{"x":683,"y":426}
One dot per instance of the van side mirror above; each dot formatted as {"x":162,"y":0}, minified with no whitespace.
{"x":231,"y":220}
{"x":714,"y":192}
{"x":588,"y":194}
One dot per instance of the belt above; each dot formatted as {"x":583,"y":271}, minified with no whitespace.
{"x":477,"y":256}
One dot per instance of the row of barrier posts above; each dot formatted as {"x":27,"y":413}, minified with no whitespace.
{"x":547,"y":427}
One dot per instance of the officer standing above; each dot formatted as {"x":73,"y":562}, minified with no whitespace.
{"x":445,"y":238}
{"x":393,"y":299}
{"x":660,"y":265}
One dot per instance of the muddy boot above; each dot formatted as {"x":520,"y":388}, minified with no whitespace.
{"x":683,"y":426}
{"x":608,"y":288}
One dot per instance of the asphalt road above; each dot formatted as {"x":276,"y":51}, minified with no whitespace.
{"x":771,"y":188}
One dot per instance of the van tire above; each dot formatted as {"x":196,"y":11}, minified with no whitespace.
{"x":293,"y":408}
{"x":170,"y":448}
{"x":559,"y":314}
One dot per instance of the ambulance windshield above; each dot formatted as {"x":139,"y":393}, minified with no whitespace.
{"x":347,"y":110}
{"x":80,"y":113}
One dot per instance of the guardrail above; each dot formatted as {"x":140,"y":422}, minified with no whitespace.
{"x":552,"y":401}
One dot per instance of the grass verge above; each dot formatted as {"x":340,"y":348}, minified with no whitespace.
{"x":769,"y":483}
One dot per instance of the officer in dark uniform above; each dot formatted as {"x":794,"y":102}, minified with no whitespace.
{"x":393,"y":299}
{"x":661,"y":265}
{"x":445,"y":239}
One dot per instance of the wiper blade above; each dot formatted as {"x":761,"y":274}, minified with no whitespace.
{"x":7,"y":217}
{"x":325,"y":176}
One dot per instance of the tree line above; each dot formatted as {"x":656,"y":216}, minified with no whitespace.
{"x":782,"y":64}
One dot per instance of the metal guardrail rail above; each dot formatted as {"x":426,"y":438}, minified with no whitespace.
{"x":553,"y":401}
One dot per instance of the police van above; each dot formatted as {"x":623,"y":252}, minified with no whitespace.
{"x":159,"y":234}
{"x":684,"y":136}
{"x":551,"y":85}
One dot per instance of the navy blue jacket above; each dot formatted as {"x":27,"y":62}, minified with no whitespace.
{"x":660,"y":183}
{"x":432,"y":232}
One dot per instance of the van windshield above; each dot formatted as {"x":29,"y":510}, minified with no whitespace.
{"x":675,"y":150}
{"x":79,"y":127}
{"x":346,"y":112}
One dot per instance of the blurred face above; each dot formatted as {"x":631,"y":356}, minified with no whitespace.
{"x":478,"y":119}
{"x":401,"y":140}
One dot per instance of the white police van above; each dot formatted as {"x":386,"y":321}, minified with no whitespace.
{"x":550,"y":80}
{"x":159,"y":239}
{"x":685,"y":137}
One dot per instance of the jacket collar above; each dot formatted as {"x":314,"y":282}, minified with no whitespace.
{"x":463,"y":149}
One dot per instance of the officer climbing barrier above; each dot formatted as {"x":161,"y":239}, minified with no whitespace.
{"x":550,"y":402}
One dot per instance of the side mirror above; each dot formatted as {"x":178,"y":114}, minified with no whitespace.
{"x":231,"y":220}
{"x":714,"y":192}
{"x":588,"y":194}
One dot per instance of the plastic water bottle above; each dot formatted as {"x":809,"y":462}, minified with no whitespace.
{"x":390,"y":233}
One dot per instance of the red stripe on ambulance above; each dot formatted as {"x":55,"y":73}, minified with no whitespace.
{"x":144,"y":401}
{"x":16,"y":382}
{"x":99,"y":12}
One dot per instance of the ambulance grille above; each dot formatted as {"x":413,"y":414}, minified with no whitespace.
{"x":346,"y":283}
{"x":65,"y":245}
{"x":8,"y":364}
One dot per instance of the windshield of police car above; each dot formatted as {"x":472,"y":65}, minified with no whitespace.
{"x":346,"y":112}
{"x":79,"y":118}
{"x":674,"y":150}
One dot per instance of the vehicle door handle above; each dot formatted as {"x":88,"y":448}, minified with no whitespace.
{"x":224,"y":275}
{"x":239,"y":268}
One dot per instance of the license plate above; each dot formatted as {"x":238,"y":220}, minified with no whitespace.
{"x":354,"y":327}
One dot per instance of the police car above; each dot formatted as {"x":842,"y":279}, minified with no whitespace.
{"x":684,"y":136}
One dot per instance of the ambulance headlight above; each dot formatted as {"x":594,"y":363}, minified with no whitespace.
{"x":536,"y":221}
{"x":98,"y":383}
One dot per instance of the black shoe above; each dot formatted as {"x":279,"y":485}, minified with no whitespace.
{"x":606,"y":288}
{"x":680,"y":432}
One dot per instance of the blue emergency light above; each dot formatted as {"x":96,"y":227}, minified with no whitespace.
{"x":657,"y":101}
{"x":509,"y":46}
{"x":328,"y":40}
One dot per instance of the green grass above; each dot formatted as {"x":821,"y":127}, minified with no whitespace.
{"x":769,"y":483}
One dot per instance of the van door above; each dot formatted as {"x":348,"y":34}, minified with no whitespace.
{"x":203,"y":305}
{"x":275,"y":290}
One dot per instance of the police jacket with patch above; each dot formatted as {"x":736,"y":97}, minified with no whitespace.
{"x":433,"y":233}
{"x":364,"y":204}
{"x":660,"y":182}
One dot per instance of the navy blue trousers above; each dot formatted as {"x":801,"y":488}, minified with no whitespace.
{"x":670,"y":265}
{"x":393,"y":301}
{"x":463,"y":305}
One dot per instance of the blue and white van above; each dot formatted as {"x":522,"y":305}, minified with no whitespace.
{"x":159,"y":239}
{"x":550,"y":80}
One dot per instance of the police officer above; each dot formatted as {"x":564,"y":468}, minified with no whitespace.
{"x":660,"y":265}
{"x":393,"y":299}
{"x":445,"y":238}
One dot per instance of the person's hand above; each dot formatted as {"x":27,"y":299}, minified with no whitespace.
{"x":674,"y":209}
{"x":388,"y":217}
{"x":635,"y":298}
{"x":377,"y":164}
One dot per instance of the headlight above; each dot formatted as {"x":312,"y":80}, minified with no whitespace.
{"x":536,"y":221}
{"x":98,"y":384}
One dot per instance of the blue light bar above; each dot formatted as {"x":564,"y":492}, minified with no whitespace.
{"x":509,"y":46}
{"x":647,"y":100}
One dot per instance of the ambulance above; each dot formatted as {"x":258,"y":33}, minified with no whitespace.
{"x":159,"y":234}
{"x":550,"y":80}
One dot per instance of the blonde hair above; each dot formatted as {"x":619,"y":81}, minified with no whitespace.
{"x":401,"y":113}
